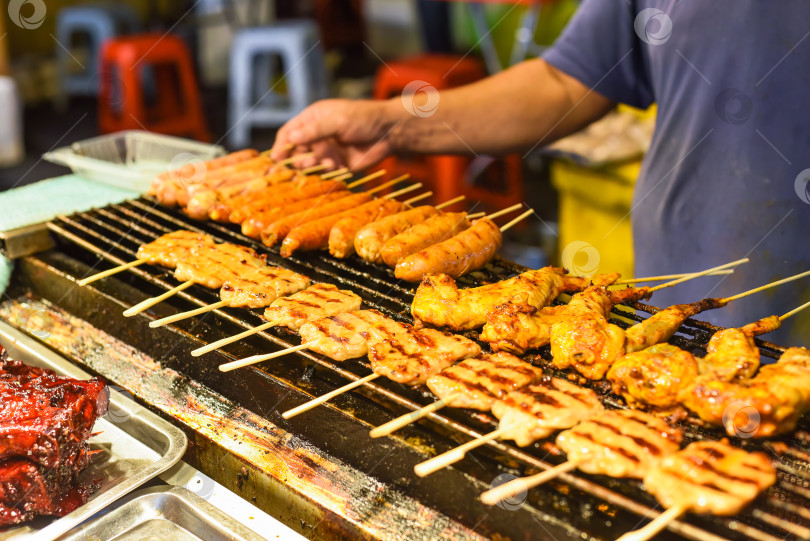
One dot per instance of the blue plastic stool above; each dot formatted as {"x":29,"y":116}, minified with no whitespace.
{"x":251,"y":101}
{"x":100,"y":23}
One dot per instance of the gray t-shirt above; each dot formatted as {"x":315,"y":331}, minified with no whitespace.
{"x":725,"y":176}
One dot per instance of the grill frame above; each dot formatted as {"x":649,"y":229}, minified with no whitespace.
{"x":77,"y":228}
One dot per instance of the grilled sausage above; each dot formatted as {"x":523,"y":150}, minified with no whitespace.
{"x":314,"y":235}
{"x":432,"y":231}
{"x":258,"y":222}
{"x":202,"y":198}
{"x":279,"y":229}
{"x":252,"y":203}
{"x":190,"y":170}
{"x":370,"y":239}
{"x":469,"y":250}
{"x":222,"y":177}
{"x":344,"y":232}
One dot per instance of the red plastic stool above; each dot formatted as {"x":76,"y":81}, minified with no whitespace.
{"x":499,"y":185}
{"x":176,"y":108}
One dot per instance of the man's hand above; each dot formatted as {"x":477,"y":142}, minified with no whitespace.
{"x":342,"y":133}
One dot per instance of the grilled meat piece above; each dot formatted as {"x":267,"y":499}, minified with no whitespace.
{"x":242,"y":207}
{"x":170,"y":249}
{"x":710,"y":477}
{"x":212,"y":267}
{"x":343,"y":233}
{"x":440,"y":302}
{"x":732,"y":354}
{"x":258,"y":287}
{"x":660,"y":327}
{"x":347,"y":335}
{"x":259,"y":221}
{"x":44,"y":416}
{"x":371,"y":237}
{"x":653,"y":378}
{"x":413,"y":357}
{"x":586,"y":342}
{"x":619,"y":443}
{"x":766,"y":405}
{"x":315,"y":302}
{"x":434,"y":230}
{"x":479,"y":381}
{"x":539,"y":410}
{"x":467,"y":251}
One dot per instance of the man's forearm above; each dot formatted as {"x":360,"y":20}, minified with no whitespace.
{"x":528,"y":105}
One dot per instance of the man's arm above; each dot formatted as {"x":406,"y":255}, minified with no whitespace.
{"x":528,"y":105}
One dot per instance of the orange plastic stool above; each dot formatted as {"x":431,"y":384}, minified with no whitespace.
{"x":123,"y":105}
{"x":499,"y":185}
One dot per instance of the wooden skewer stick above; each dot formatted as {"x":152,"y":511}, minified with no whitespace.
{"x":388,"y":184}
{"x":517,"y":220}
{"x":328,"y":396}
{"x":253,"y":359}
{"x":335,"y":173}
{"x":367,"y":178}
{"x":110,"y":272}
{"x":454,"y":455}
{"x":504,"y":211}
{"x":523,"y":484}
{"x":313,"y":169}
{"x":767,"y":286}
{"x":650,"y":530}
{"x":403,"y":191}
{"x":419,"y":197}
{"x":701,"y":273}
{"x":148,"y":303}
{"x":476,"y":215}
{"x":345,"y":176}
{"x":794,"y":311}
{"x":285,"y":148}
{"x":458,"y":199}
{"x":666,"y":277}
{"x":408,"y":418}
{"x":185,"y":315}
{"x":297,"y":157}
{"x":231,"y":339}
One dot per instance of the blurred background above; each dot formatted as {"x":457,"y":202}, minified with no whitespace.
{"x":230,"y":72}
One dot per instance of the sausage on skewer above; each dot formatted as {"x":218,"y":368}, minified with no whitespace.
{"x":343,"y":234}
{"x":372,"y":237}
{"x":432,"y":231}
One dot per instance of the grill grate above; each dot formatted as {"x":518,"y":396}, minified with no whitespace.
{"x":115,"y":232}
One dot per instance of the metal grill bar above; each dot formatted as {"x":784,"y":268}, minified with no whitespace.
{"x":130,"y":224}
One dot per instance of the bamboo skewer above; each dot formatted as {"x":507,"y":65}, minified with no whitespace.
{"x":313,"y":169}
{"x":247,"y":361}
{"x":367,"y":178}
{"x":794,"y":311}
{"x":767,"y":286}
{"x":418,"y":198}
{"x":403,"y":191}
{"x":335,"y":173}
{"x":650,"y":530}
{"x":454,"y":455}
{"x":110,"y":272}
{"x":184,"y":315}
{"x":666,"y":277}
{"x":231,"y":339}
{"x":523,"y":484}
{"x":475,"y":215}
{"x":328,"y":396}
{"x":388,"y":184}
{"x":345,"y":176}
{"x":698,"y":274}
{"x":293,"y":159}
{"x":148,"y":303}
{"x":408,"y":418}
{"x":458,"y":199}
{"x":516,"y":220}
{"x":502,"y":212}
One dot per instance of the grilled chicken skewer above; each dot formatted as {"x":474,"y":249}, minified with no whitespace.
{"x":167,"y":250}
{"x":527,"y":415}
{"x":317,"y":301}
{"x":705,"y":477}
{"x":473,"y":383}
{"x":618,"y":443}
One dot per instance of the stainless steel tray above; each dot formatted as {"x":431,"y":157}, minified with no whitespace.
{"x":163,"y":512}
{"x":136,"y":445}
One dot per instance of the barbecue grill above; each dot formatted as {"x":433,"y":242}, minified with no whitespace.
{"x":320,"y":472}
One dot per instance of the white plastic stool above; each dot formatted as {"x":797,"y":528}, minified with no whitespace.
{"x":11,"y":134}
{"x":100,"y":24}
{"x":251,"y":101}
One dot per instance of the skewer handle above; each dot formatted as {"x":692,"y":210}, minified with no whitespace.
{"x":504,"y":211}
{"x":148,"y":303}
{"x":328,"y":396}
{"x":701,"y":273}
{"x":335,"y":173}
{"x":293,"y":159}
{"x":650,"y":530}
{"x":666,"y":277}
{"x":185,"y":315}
{"x":453,"y":201}
{"x":476,"y":215}
{"x":767,"y":286}
{"x":345,"y":176}
{"x":454,"y":455}
{"x":408,"y":418}
{"x":523,"y":484}
{"x":313,"y":169}
{"x":253,"y":359}
{"x":231,"y":339}
{"x":794,"y":311}
{"x":367,"y":178}
{"x":517,"y":220}
{"x":419,"y":197}
{"x":403,"y":191}
{"x":110,"y":272}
